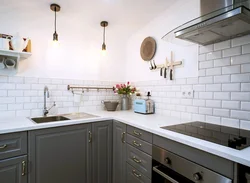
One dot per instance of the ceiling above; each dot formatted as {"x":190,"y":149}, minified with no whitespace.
{"x":126,"y":15}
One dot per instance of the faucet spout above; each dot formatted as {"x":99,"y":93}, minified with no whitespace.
{"x":46,"y":95}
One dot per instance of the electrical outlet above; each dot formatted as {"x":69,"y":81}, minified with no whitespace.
{"x":183,"y":94}
{"x":190,"y":94}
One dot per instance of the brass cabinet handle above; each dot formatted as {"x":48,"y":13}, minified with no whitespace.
{"x":23,"y":167}
{"x":3,"y":146}
{"x":137,"y":133}
{"x":90,"y":137}
{"x":136,"y":144}
{"x":123,"y":137}
{"x":136,"y":174}
{"x":136,"y":160}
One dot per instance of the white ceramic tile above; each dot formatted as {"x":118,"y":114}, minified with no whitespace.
{"x":213,"y":71}
{"x":16,"y":80}
{"x":245,"y":115}
{"x":15,"y":106}
{"x":222,"y":45}
{"x":15,"y":93}
{"x":198,"y":102}
{"x":213,"y":119}
{"x":246,"y":49}
{"x":206,"y":95}
{"x":231,"y":52}
{"x":222,"y":62}
{"x":245,"y":124}
{"x":231,"y":69}
{"x":206,"y":49}
{"x":23,"y":86}
{"x":213,"y":87}
{"x":206,"y":80}
{"x":231,"y":87}
{"x":240,"y":78}
{"x":241,"y":96}
{"x":245,"y":68}
{"x":242,"y":59}
{"x":231,"y":104}
{"x":245,"y":106}
{"x":241,"y":41}
{"x":205,"y":110}
{"x":235,"y":123}
{"x":222,"y":95}
{"x":199,"y":88}
{"x":206,"y":64}
{"x":213,"y":103}
{"x":221,"y":112}
{"x":214,"y":55}
{"x":245,"y":86}
{"x":192,"y":80}
{"x":222,"y":79}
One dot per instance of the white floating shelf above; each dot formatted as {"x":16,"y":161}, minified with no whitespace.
{"x":17,"y":56}
{"x":11,"y":53}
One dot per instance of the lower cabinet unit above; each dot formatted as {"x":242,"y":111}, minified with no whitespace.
{"x":60,"y":155}
{"x":102,"y":152}
{"x":134,"y":176}
{"x":119,"y":152}
{"x":13,"y":170}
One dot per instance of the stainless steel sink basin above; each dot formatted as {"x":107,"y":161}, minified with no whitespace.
{"x":49,"y":119}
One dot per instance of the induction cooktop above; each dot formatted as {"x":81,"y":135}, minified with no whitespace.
{"x":227,"y":136}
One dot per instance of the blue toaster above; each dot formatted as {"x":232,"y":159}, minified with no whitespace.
{"x":144,"y":106}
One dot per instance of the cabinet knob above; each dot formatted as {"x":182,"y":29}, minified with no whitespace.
{"x":167,"y":161}
{"x":197,"y":176}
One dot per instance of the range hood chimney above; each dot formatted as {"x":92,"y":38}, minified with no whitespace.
{"x":220,"y":20}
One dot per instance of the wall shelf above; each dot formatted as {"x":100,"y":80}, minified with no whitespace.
{"x":17,"y":56}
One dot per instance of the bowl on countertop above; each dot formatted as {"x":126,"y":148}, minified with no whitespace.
{"x":110,"y":105}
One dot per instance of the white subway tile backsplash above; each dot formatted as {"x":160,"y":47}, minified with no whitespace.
{"x":3,"y":93}
{"x":213,"y":103}
{"x":202,"y":57}
{"x":202,"y":72}
{"x":3,"y":79}
{"x":222,"y":79}
{"x":206,"y":49}
{"x":213,"y":71}
{"x":206,"y":80}
{"x":244,"y":115}
{"x":246,"y":49}
{"x":23,"y":86}
{"x":213,"y":87}
{"x":245,"y":124}
{"x":245,"y":106}
{"x":214,"y":55}
{"x":198,"y":117}
{"x":198,"y":102}
{"x":240,"y":78}
{"x":7,"y":86}
{"x":3,"y":107}
{"x":204,"y":110}
{"x":5,"y":114}
{"x":221,"y":112}
{"x":206,"y":64}
{"x":245,"y":86}
{"x":192,"y":109}
{"x":199,"y":88}
{"x":231,"y":104}
{"x":242,"y":59}
{"x":23,"y":113}
{"x":235,"y":123}
{"x":241,"y":96}
{"x":213,"y":119}
{"x":16,"y":80}
{"x":205,"y":95}
{"x":15,"y":107}
{"x":231,"y":52}
{"x":222,"y":62}
{"x":231,"y":87}
{"x":245,"y":68}
{"x":231,"y":69}
{"x":222,"y":95}
{"x":15,"y":93}
{"x":192,"y":80}
{"x":241,"y":41}
{"x":222,"y":45}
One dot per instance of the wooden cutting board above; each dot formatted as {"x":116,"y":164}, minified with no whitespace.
{"x":148,"y":49}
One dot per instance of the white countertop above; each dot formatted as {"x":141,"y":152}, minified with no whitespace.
{"x":150,"y":123}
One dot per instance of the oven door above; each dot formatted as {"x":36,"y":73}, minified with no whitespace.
{"x":162,"y":174}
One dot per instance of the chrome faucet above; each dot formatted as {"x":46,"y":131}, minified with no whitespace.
{"x":46,"y":95}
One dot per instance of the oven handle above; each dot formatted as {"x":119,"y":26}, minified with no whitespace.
{"x":155,"y":169}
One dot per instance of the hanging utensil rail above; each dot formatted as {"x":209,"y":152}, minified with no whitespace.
{"x":71,"y":87}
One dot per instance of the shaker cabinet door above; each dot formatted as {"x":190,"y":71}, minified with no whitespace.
{"x":119,"y":152}
{"x":102,"y":151}
{"x":60,"y":155}
{"x":14,"y":170}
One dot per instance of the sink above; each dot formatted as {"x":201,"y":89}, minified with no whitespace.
{"x":49,"y":119}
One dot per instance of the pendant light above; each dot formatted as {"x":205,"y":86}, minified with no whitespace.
{"x":56,"y":8}
{"x":104,"y":24}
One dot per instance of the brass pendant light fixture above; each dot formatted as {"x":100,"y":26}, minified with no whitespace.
{"x":56,"y":8}
{"x":104,"y":24}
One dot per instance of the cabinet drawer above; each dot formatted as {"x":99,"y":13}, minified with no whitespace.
{"x":135,"y":176}
{"x":139,"y":144}
{"x":141,"y":134}
{"x":13,"y":144}
{"x":140,"y":160}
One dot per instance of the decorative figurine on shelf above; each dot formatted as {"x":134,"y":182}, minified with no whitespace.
{"x":125,"y":90}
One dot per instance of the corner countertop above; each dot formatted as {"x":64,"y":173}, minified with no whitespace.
{"x":150,"y":123}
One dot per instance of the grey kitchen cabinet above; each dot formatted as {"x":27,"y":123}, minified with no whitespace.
{"x":102,"y":151}
{"x":119,"y":152}
{"x":14,"y":170}
{"x":60,"y":155}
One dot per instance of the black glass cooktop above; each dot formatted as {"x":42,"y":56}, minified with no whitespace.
{"x":231,"y":137}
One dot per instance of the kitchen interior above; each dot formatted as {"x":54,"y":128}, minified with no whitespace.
{"x":105,"y":91}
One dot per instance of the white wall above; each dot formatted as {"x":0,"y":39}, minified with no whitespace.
{"x":79,"y":55}
{"x":177,"y":14}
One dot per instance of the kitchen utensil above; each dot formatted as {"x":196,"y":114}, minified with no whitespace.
{"x":148,"y":49}
{"x":9,"y":63}
{"x":161,"y":71}
{"x":154,"y":66}
{"x":151,"y":66}
{"x":18,"y":43}
{"x":110,"y":105}
{"x":171,"y":74}
{"x":165,"y":72}
{"x":4,"y":44}
{"x":2,"y":66}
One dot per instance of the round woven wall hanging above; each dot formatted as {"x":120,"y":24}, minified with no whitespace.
{"x":148,"y":49}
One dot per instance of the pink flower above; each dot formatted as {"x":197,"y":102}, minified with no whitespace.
{"x":128,"y":82}
{"x":118,"y":86}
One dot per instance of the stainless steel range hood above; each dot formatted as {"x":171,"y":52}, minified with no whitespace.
{"x":220,"y":20}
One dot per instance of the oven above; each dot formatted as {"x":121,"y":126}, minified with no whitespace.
{"x":171,"y":168}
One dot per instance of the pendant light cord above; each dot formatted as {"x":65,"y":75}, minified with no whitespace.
{"x":55,"y":19}
{"x":104,"y":35}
